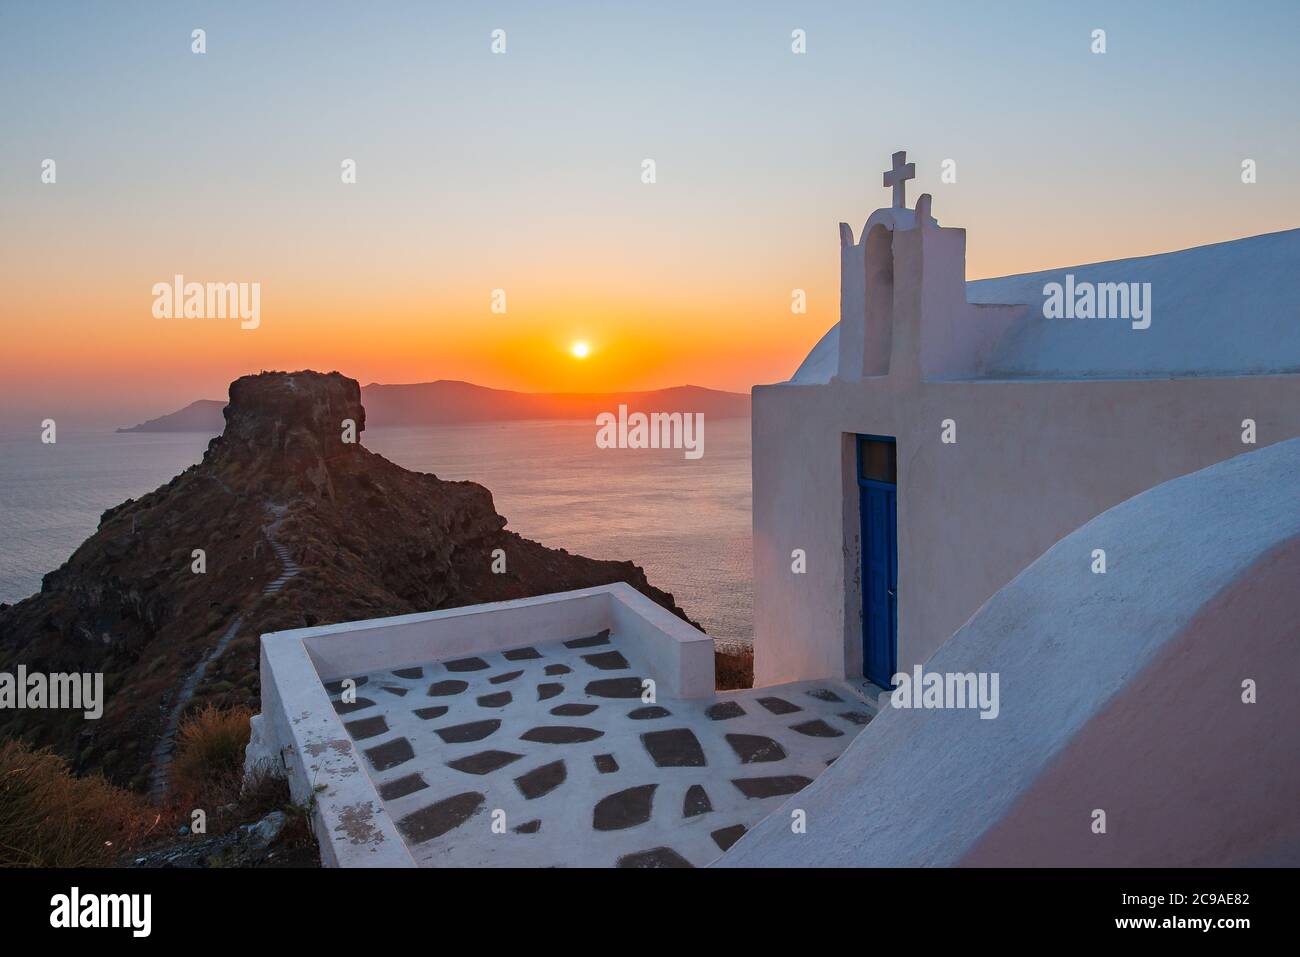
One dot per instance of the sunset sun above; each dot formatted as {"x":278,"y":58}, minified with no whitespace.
{"x":580,"y":350}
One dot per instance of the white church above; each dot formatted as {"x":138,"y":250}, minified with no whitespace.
{"x":1103,"y":512}
{"x":945,"y":434}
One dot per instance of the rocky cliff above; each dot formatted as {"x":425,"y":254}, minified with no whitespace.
{"x":163,"y":579}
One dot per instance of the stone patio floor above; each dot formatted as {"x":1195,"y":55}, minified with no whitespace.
{"x":547,"y":755}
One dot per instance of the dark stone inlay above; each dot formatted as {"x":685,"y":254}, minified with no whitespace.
{"x":485,"y":762}
{"x":655,"y":857}
{"x":436,"y":711}
{"x":697,"y":802}
{"x":723,"y":710}
{"x":367,"y":727}
{"x":497,"y":700}
{"x":624,"y":809}
{"x":402,"y":787}
{"x":649,"y":711}
{"x":600,"y":639}
{"x":502,"y":679}
{"x":408,"y":672}
{"x":473,"y":731}
{"x":529,"y":827}
{"x":573,"y":710}
{"x":605,"y":763}
{"x":393,"y":689}
{"x":817,"y":728}
{"x":541,"y":780}
{"x":558,"y":669}
{"x":560,"y":734}
{"x":779,"y":705}
{"x":825,"y":694}
{"x":357,"y":705}
{"x":677,"y":748}
{"x":856,"y":717}
{"x":391,"y":754}
{"x":606,"y":661}
{"x":615,"y":687}
{"x":755,"y":748}
{"x":521,"y":654}
{"x":773,"y":786}
{"x":548,"y":689}
{"x":440,"y":817}
{"x":465,"y":664}
{"x":724,"y":837}
{"x":334,"y":687}
{"x":440,"y":689}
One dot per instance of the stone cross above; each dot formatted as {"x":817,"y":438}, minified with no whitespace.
{"x":898,"y":177}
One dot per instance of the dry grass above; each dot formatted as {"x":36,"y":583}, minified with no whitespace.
{"x":51,"y":818}
{"x":208,"y":768}
{"x":208,"y":773}
{"x":262,"y":791}
{"x":733,"y":667}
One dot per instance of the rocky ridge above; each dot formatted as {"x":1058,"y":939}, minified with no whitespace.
{"x":367,"y":537}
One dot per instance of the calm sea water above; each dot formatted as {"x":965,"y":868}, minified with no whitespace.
{"x":687,"y":522}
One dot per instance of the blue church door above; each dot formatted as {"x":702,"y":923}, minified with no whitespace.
{"x":878,"y":494}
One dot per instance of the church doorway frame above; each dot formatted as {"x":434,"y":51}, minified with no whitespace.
{"x":876,"y":474}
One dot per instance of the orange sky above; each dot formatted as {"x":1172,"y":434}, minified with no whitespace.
{"x":523,"y":172}
{"x":87,"y":343}
{"x":701,"y":306}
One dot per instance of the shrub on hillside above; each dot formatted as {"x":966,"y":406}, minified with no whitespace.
{"x":209,"y":760}
{"x":51,"y":818}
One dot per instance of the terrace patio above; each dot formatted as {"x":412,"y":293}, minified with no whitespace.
{"x":578,"y":729}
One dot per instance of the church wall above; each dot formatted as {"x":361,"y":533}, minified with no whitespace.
{"x":1033,"y":461}
{"x":878,"y":307}
{"x":853,"y":291}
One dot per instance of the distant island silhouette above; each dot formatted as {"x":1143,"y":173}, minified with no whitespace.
{"x":450,"y":402}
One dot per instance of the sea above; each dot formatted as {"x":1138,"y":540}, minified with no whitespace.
{"x":685,"y":521}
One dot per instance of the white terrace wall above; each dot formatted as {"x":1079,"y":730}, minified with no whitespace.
{"x":1120,"y":692}
{"x":1033,"y":460}
{"x":680,"y":655}
{"x":299,"y":731}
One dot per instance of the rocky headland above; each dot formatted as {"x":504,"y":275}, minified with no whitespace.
{"x":283,"y":524}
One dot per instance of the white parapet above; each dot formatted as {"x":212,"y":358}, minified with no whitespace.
{"x":300,"y":733}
